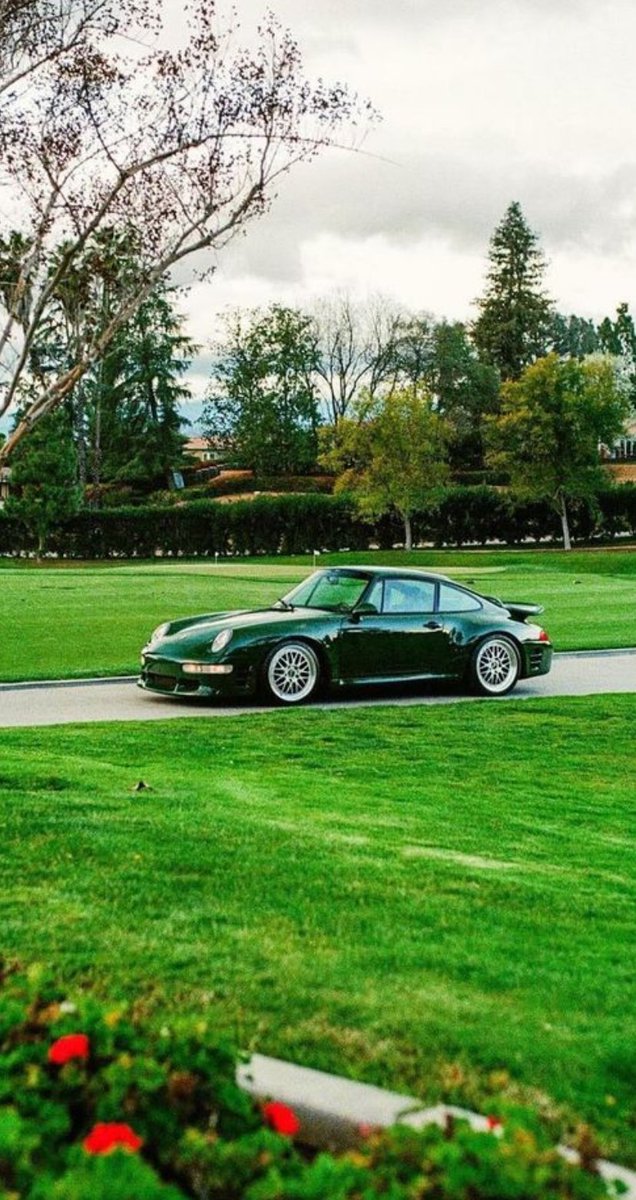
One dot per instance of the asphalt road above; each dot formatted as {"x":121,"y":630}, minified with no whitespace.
{"x":583,"y":674}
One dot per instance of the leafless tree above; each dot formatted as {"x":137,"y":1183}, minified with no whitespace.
{"x":179,"y":146}
{"x":356,"y":348}
{"x":36,"y":33}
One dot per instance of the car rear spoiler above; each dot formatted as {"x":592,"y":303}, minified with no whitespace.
{"x":518,"y":611}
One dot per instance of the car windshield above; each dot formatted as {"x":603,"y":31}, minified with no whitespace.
{"x":336,"y":591}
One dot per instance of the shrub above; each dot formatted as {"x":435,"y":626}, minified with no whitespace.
{"x":95,"y":1105}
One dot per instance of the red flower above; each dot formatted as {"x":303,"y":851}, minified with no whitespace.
{"x":72,"y":1045}
{"x":106,"y":1137}
{"x":281,"y":1118}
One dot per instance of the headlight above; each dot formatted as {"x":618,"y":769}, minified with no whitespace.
{"x":221,"y":640}
{"x":159,"y":632}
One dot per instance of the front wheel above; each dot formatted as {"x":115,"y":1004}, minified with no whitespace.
{"x":495,"y":667}
{"x":291,"y":674}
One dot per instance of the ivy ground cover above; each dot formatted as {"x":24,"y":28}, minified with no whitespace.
{"x":437,"y":900}
{"x":71,"y":620}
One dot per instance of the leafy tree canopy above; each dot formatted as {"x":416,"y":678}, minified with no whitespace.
{"x":439,"y":356}
{"x":391,"y":455}
{"x":262,"y":402}
{"x":551,"y":424}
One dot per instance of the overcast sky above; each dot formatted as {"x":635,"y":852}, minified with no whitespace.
{"x":483,"y":102}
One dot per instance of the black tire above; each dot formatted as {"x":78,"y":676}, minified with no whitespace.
{"x":291,"y":674}
{"x":495,"y":666}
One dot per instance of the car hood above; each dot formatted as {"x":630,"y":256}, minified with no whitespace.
{"x":209,"y":624}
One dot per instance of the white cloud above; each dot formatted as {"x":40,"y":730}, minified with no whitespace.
{"x":483,"y":101}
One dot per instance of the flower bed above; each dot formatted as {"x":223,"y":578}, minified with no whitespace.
{"x":98,"y":1104}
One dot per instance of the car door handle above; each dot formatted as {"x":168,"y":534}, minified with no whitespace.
{"x":432,"y":625}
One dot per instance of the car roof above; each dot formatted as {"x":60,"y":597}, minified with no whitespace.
{"x":391,"y":572}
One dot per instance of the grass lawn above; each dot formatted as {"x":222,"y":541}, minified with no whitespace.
{"x":69,"y":620}
{"x":439,"y":900}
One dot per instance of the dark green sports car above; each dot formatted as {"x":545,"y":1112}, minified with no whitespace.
{"x":348,"y":626}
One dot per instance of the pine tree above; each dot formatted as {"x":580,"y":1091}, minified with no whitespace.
{"x":618,"y":338}
{"x":574,"y":337}
{"x":141,"y":423}
{"x":44,"y":487}
{"x":125,"y":410}
{"x":515,"y":313}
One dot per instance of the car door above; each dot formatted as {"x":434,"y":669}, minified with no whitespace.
{"x":396,"y":634}
{"x":415,"y":638}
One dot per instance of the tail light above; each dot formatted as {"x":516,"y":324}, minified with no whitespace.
{"x":543,"y":636}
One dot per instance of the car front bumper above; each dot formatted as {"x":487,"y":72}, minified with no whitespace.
{"x":169,"y":677}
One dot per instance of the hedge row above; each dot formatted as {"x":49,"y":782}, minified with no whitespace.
{"x":299,"y":523}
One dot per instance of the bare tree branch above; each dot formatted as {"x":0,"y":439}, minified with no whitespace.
{"x":180,"y":150}
{"x":356,"y":348}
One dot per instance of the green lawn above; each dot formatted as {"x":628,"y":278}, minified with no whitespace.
{"x":67,"y":620}
{"x":440,"y":900}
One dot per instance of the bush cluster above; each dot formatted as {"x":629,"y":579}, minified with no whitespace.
{"x":297,"y":524}
{"x":95,"y":1105}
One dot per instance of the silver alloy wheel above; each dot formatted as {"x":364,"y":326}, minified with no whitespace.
{"x":496,"y":666}
{"x":292,"y":673}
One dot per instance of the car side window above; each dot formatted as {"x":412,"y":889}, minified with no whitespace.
{"x":409,"y":596}
{"x":453,"y":600}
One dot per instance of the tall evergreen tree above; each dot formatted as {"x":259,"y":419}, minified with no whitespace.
{"x":574,"y":337}
{"x":140,"y":421}
{"x":44,"y":487}
{"x":618,"y":338}
{"x":125,"y":409}
{"x":515,"y":313}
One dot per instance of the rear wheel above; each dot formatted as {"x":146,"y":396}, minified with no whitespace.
{"x":495,"y":667}
{"x":291,"y":674}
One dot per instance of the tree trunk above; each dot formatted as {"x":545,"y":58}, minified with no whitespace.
{"x":563,"y":513}
{"x":79,"y":414}
{"x":97,"y":451}
{"x":408,"y":532}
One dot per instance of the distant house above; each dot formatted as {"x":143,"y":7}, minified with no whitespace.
{"x":620,"y":458}
{"x":625,"y":447}
{"x":203,"y":449}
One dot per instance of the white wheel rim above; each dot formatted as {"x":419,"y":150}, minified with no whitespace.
{"x":292,"y":673}
{"x":496,"y":666}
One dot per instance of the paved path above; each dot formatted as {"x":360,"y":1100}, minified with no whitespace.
{"x":582,"y":674}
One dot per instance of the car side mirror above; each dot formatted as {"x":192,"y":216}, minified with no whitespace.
{"x":365,"y":609}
